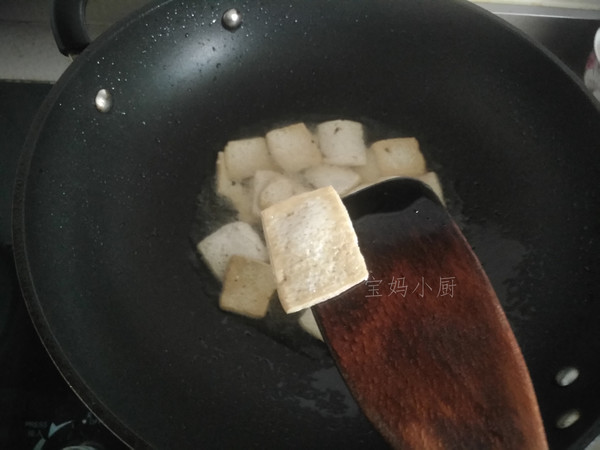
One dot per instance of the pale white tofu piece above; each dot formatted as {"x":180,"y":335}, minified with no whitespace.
{"x":308,"y":323}
{"x":279,"y":189}
{"x":369,"y":172}
{"x":293,"y":148}
{"x":432,"y":180}
{"x":236,"y":238}
{"x":399,"y":156}
{"x":343,"y":179}
{"x":342,"y":142}
{"x":299,"y":180}
{"x":245,"y":156}
{"x":261,"y":180}
{"x":223,"y":181}
{"x":238,"y":193}
{"x":247,"y":287}
{"x":313,"y":248}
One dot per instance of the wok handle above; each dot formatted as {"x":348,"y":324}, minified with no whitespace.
{"x":69,"y":27}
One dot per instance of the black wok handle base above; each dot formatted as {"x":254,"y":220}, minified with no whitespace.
{"x":69,"y":27}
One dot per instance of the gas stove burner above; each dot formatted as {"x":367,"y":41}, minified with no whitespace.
{"x":83,"y":433}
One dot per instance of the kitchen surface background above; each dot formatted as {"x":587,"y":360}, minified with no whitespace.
{"x":28,"y":52}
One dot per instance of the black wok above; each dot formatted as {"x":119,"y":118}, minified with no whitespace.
{"x":105,"y":206}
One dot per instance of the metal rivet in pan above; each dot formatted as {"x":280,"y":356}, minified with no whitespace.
{"x":566,"y":376}
{"x":103,"y":100}
{"x":232,"y":19}
{"x":568,"y":419}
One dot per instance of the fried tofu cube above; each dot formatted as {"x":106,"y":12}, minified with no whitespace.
{"x":431,"y":179}
{"x":247,"y":287}
{"x":236,"y":238}
{"x":399,"y":156}
{"x":262,"y":178}
{"x":237,"y":193}
{"x":342,"y":179}
{"x":342,"y":142}
{"x":245,"y":156}
{"x":293,"y":148}
{"x":369,"y":172}
{"x":313,"y":248}
{"x":279,"y":189}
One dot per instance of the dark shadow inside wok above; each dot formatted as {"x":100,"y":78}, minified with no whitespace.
{"x":108,"y":268}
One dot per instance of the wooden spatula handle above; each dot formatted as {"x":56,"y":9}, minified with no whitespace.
{"x":424,"y":344}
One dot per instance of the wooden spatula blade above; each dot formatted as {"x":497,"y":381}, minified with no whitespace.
{"x":424,"y":344}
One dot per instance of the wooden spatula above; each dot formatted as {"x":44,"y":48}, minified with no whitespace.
{"x":424,"y":344}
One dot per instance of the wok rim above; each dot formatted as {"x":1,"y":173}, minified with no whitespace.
{"x":26,"y":282}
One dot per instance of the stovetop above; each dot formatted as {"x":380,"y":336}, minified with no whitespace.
{"x":38,"y":410}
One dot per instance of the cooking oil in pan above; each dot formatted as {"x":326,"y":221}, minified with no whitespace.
{"x":214,"y":211}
